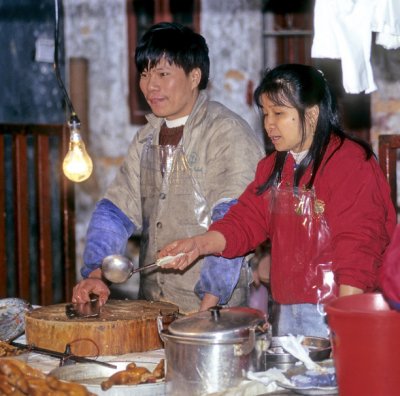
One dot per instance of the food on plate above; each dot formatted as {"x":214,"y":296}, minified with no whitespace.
{"x":19,"y":379}
{"x":134,"y":375}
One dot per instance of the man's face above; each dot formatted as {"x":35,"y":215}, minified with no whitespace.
{"x":169,"y":92}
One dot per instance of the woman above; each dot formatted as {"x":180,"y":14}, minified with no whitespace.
{"x":318,"y":195}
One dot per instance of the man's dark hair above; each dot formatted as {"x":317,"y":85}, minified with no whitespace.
{"x":179,"y":45}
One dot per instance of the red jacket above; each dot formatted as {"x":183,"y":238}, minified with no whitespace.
{"x":358,"y":210}
{"x":390,"y":271}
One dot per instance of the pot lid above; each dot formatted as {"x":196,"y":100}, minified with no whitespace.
{"x":218,"y":323}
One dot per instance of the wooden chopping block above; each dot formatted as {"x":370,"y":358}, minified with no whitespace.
{"x":122,"y":327}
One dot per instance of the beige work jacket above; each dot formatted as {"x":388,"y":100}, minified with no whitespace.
{"x":222,"y":152}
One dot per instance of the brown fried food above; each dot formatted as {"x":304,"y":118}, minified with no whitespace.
{"x":15,"y":376}
{"x":39,"y":387}
{"x":19,"y":379}
{"x":134,"y":375}
{"x":159,"y":371}
{"x":25,"y":368}
{"x":68,"y":388}
{"x":8,"y":350}
{"x":6,"y":388}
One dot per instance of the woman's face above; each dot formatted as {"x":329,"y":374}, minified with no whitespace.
{"x":283,"y":126}
{"x":169,"y":91}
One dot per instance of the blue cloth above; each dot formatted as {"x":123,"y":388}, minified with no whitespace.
{"x":394,"y":304}
{"x":301,"y":319}
{"x":219,"y":276}
{"x":108,"y":232}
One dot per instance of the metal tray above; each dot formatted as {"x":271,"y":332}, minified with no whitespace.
{"x":91,"y":376}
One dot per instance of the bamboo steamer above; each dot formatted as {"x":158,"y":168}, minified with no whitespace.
{"x":122,"y":327}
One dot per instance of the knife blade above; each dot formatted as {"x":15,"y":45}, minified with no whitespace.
{"x":89,"y":309}
{"x":61,"y":355}
{"x":159,"y":263}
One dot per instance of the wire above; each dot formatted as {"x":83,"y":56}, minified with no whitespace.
{"x":57,"y":68}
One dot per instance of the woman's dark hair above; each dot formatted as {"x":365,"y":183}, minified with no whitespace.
{"x":302,"y":87}
{"x":179,"y":45}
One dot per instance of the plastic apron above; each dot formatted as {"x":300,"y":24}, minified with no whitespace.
{"x":173,"y":207}
{"x":302,"y":267}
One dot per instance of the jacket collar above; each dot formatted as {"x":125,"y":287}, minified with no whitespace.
{"x":198,"y":111}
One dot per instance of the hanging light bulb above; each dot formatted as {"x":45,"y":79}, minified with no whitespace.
{"x":77,"y":164}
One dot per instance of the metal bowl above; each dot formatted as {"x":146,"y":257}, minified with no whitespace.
{"x":319,"y":349}
{"x":12,"y":317}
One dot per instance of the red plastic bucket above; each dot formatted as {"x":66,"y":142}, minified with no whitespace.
{"x":365,"y":345}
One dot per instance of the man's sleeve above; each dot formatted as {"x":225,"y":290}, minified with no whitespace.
{"x":108,"y":233}
{"x":219,"y":276}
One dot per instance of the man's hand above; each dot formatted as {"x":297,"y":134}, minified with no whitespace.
{"x":93,"y":284}
{"x":208,"y":301}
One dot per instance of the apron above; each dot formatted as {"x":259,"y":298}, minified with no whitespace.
{"x":173,"y":207}
{"x":302,"y":265}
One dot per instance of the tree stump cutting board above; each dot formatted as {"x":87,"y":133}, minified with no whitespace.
{"x":122,"y":327}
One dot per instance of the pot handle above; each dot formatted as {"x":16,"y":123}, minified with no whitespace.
{"x":247,"y":346}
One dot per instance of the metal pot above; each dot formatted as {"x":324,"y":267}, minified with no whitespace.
{"x":211,"y":351}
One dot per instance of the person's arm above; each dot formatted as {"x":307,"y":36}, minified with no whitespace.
{"x":360,"y":215}
{"x":108,"y":232}
{"x":347,"y":290}
{"x":219,"y":276}
{"x":211,"y":242}
{"x":208,"y":301}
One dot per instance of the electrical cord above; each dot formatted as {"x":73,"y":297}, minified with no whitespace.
{"x":74,"y":117}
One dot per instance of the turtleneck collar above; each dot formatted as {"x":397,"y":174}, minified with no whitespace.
{"x":176,"y":123}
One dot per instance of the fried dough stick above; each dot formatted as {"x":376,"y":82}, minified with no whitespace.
{"x":19,"y":379}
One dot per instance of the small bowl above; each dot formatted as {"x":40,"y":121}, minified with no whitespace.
{"x":319,"y":349}
{"x":12,"y":317}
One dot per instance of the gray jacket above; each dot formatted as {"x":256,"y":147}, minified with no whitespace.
{"x":222,"y":152}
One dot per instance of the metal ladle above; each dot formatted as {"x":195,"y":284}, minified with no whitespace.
{"x":118,"y":269}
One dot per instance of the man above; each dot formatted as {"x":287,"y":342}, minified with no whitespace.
{"x":184,"y":169}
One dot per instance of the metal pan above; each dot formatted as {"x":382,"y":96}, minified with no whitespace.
{"x":319,"y":349}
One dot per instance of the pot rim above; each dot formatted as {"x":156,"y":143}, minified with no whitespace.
{"x":206,"y":341}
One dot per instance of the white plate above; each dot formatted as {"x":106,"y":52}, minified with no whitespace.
{"x":308,"y":390}
{"x":91,"y":375}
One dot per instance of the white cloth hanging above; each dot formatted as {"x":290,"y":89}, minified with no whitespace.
{"x":343,"y":30}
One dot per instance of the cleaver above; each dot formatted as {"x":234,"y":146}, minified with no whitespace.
{"x":90,"y":309}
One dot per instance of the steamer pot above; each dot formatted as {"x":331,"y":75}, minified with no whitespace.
{"x":211,"y":351}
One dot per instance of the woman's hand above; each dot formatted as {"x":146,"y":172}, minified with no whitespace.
{"x":187,"y":246}
{"x":347,"y":290}
{"x":93,"y":284}
{"x":211,"y":242}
